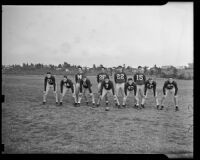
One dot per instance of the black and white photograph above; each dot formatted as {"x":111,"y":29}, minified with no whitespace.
{"x":98,"y":79}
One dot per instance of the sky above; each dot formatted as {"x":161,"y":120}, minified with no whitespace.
{"x":107,"y":35}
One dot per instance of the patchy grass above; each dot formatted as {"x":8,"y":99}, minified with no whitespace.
{"x":29,"y":127}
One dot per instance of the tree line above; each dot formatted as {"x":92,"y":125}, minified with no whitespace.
{"x":66,"y":68}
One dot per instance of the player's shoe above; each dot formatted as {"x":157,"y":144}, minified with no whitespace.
{"x":43,"y":103}
{"x":56,"y":103}
{"x":97,"y":105}
{"x":142,"y":105}
{"x":161,"y":108}
{"x":157,"y":106}
{"x":78,"y":105}
{"x":60,"y":103}
{"x":106,"y":103}
{"x":176,"y":109}
{"x":87,"y":103}
{"x":116,"y":104}
{"x":136,"y":106}
{"x":123,"y":105}
{"x":107,"y":109}
{"x":75,"y":104}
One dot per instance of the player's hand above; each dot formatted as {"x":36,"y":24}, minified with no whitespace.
{"x":91,"y":94}
{"x":175,"y":96}
{"x":115,"y":96}
{"x":80,"y":94}
{"x":54,"y":91}
{"x":73,"y":94}
{"x":44,"y":92}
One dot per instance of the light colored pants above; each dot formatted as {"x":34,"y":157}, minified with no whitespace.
{"x":99,"y":87}
{"x":120,"y":86}
{"x":77,"y":91}
{"x":140,"y":89}
{"x":126,"y":96}
{"x":65,"y":89}
{"x":105,"y":92}
{"x":48,"y":87}
{"x":85,"y":90}
{"x":167,"y":92}
{"x":150,"y":90}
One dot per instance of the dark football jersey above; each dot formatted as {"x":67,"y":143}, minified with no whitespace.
{"x":50,"y":81}
{"x":139,"y":78}
{"x":67,"y":84}
{"x":168,"y":85}
{"x":101,"y":77}
{"x":86,"y":84}
{"x":120,"y":77}
{"x":149,"y":85}
{"x":130,"y":87}
{"x":78,"y":77}
{"x":107,"y":86}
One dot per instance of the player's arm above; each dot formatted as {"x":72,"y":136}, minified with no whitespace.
{"x":98,"y":78}
{"x":112,"y":86}
{"x":81,"y":86}
{"x":125,"y":77}
{"x":144,"y":78}
{"x":101,"y":88}
{"x":135,"y":90}
{"x":61,"y":86}
{"x":71,"y":86}
{"x":125,"y":88}
{"x":54,"y":84}
{"x":164,"y":87}
{"x":76,"y":78}
{"x":176,"y":88}
{"x":115,"y":77}
{"x":154,"y":89}
{"x":89,"y":86}
{"x":134,"y":77}
{"x":45,"y":83}
{"x":145,"y":89}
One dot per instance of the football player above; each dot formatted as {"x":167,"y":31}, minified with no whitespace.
{"x":107,"y":87}
{"x":170,"y":86}
{"x":139,"y":79}
{"x":78,"y":78}
{"x":129,"y":87}
{"x":150,"y":85}
{"x":65,"y":85}
{"x":120,"y":80}
{"x":49,"y":83}
{"x":86,"y":85}
{"x":100,"y":78}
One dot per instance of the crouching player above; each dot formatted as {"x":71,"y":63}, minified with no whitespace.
{"x":170,"y":86}
{"x":86,"y":85}
{"x":107,"y":87}
{"x":150,"y":85}
{"x":65,"y":85}
{"x":49,"y":83}
{"x":130,"y":87}
{"x":100,"y":79}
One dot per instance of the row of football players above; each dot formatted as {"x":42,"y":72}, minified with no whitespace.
{"x":136,"y":85}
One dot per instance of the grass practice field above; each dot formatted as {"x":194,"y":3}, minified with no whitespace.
{"x":30,"y":127}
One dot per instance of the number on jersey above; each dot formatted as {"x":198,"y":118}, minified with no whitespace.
{"x":120,"y":76}
{"x":101,"y":77}
{"x":139,"y":77}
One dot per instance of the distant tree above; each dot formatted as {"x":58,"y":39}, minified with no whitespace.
{"x":94,"y":66}
{"x":60,"y":66}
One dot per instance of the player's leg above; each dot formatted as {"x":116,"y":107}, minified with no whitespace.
{"x":63,"y":94}
{"x":117,"y":87}
{"x":144,"y":98}
{"x":142,"y":95}
{"x":156,"y":99}
{"x":46,"y":93}
{"x":163,"y":98}
{"x":92,"y":96}
{"x":137,"y":95}
{"x":56,"y":95}
{"x":77,"y":88}
{"x":82,"y":95}
{"x":125,"y":98}
{"x":74,"y":95}
{"x":104,"y":92}
{"x":175,"y":99}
